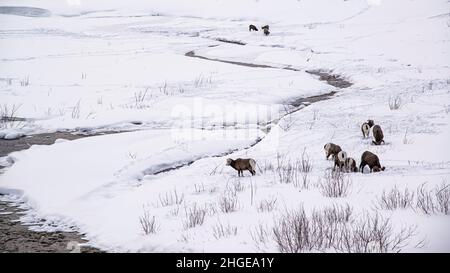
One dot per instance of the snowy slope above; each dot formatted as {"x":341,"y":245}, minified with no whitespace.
{"x":97,"y":66}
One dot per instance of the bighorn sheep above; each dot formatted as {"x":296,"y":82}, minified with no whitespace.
{"x":365,"y":127}
{"x":339,"y":160}
{"x":377,"y":135}
{"x":371,"y":159}
{"x":242,"y":164}
{"x":350,"y":165}
{"x":331,"y":149}
{"x":266,"y":29}
{"x":252,"y":27}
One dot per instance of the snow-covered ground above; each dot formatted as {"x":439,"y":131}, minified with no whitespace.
{"x":107,"y":65}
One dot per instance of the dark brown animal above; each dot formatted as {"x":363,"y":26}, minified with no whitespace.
{"x":365,"y":127}
{"x":242,"y":164}
{"x":371,"y":159}
{"x":252,"y":27}
{"x":266,"y":32}
{"x":265,"y":27}
{"x":377,"y":135}
{"x":331,"y":149}
{"x":350,"y":165}
{"x":339,"y":160}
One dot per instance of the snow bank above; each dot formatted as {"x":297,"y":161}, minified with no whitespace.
{"x":99,"y":64}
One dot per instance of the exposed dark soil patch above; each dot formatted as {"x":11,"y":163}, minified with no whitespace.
{"x":230,"y":41}
{"x":192,"y":54}
{"x":172,"y":168}
{"x":25,"y":11}
{"x":328,"y":77}
{"x":14,"y":237}
{"x":14,"y":145}
{"x":332,"y":79}
{"x":308,"y":100}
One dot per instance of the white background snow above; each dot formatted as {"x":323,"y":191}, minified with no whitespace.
{"x":121,"y":65}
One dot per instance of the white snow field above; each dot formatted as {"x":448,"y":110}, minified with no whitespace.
{"x":191,"y":86}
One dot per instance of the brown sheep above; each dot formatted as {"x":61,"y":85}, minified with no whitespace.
{"x":371,"y":159}
{"x":252,"y":27}
{"x":339,"y":160}
{"x":350,"y":165}
{"x":331,"y":149}
{"x":377,"y":135}
{"x":365,"y":127}
{"x":242,"y":164}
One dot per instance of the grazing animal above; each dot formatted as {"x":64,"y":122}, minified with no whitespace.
{"x":243,"y":164}
{"x":350,"y":165}
{"x":365,"y":127}
{"x":252,"y":27}
{"x":339,"y":160}
{"x":331,"y":149}
{"x":377,"y":135}
{"x":266,"y":31}
{"x":371,"y":159}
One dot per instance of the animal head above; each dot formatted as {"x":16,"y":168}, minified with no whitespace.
{"x":327,"y":146}
{"x":370,"y":122}
{"x":229,"y":160}
{"x":366,"y":127}
{"x":378,"y":169}
{"x":342,"y":156}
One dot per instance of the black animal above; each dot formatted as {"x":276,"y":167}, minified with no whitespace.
{"x":331,"y":149}
{"x":339,"y":160}
{"x":365,"y":127}
{"x":266,"y":31}
{"x":377,"y":135}
{"x":371,"y":159}
{"x":252,"y":27}
{"x":350,"y":165}
{"x":242,"y":164}
{"x":265,"y":27}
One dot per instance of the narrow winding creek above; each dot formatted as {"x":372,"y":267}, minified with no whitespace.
{"x":17,"y":237}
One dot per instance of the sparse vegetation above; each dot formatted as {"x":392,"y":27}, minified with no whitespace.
{"x":287,"y":171}
{"x":267,"y":205}
{"x":395,"y":102}
{"x":432,"y":201}
{"x":220,"y":230}
{"x":335,"y":184}
{"x":76,"y":110}
{"x":260,"y":236}
{"x":287,"y":120}
{"x":406,"y":140}
{"x":171,"y":198}
{"x":148,"y":223}
{"x":428,"y":201}
{"x":8,"y":118}
{"x":314,"y":118}
{"x":195,"y":216}
{"x":139,"y":98}
{"x":25,"y":81}
{"x":396,"y":199}
{"x":199,"y":188}
{"x":335,"y":229}
{"x":228,"y":202}
{"x":202,"y":81}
